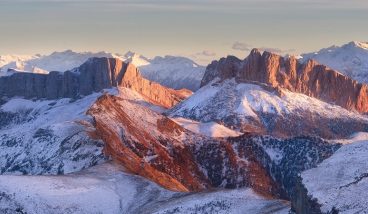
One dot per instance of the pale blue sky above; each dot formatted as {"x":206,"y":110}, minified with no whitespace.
{"x":202,"y":29}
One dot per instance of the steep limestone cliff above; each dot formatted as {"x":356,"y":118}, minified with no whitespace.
{"x":153,"y":92}
{"x":310,"y":78}
{"x":92,"y":76}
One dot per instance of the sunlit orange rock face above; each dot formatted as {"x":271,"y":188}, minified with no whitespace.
{"x":153,"y":92}
{"x":132,"y":139}
{"x":111,"y":72}
{"x":311,"y":78}
{"x":151,"y":145}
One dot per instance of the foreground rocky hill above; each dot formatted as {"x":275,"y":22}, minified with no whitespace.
{"x":146,"y":143}
{"x":154,"y":146}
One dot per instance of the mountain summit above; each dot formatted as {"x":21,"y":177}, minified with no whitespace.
{"x":350,"y":59}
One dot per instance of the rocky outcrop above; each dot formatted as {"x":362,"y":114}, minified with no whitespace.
{"x":223,"y":69}
{"x":137,"y":149}
{"x":302,"y":203}
{"x":92,"y":76}
{"x":311,"y":78}
{"x":157,"y":148}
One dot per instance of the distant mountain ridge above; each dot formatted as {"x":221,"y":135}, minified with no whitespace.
{"x":174,"y":72}
{"x":350,"y":59}
{"x":171,"y":71}
{"x":57,"y":61}
{"x":92,"y":76}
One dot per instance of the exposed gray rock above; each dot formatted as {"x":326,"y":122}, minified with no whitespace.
{"x":224,"y":68}
{"x":93,"y":76}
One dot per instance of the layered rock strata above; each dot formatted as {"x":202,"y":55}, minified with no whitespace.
{"x":155,"y":147}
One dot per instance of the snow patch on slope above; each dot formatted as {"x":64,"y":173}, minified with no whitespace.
{"x":106,"y":189}
{"x":342,"y":180}
{"x":255,"y":99}
{"x":210,"y":129}
{"x":356,"y":137}
{"x":136,"y":59}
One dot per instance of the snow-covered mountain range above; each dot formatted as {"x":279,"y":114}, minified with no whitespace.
{"x":101,"y":137}
{"x":350,"y":59}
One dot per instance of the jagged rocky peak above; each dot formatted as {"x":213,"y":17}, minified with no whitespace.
{"x":310,"y":78}
{"x":92,"y":76}
{"x":357,"y":44}
{"x":223,"y":69}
